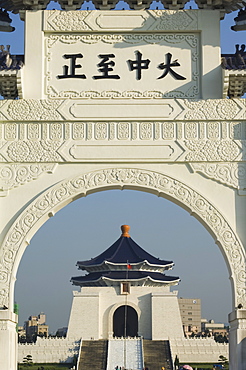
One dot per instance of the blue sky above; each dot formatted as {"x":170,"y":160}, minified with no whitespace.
{"x":89,"y":225}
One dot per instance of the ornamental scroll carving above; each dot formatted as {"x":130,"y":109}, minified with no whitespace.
{"x":33,"y":151}
{"x":226,"y":109}
{"x":201,"y":110}
{"x":192,"y":133}
{"x":190,"y":39}
{"x":160,"y":184}
{"x":33,"y":110}
{"x":212,"y":150}
{"x":116,"y":94}
{"x":13,"y":175}
{"x":151,"y":19}
{"x":230,"y":174}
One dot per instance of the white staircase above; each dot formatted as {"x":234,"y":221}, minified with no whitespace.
{"x":126,"y":353}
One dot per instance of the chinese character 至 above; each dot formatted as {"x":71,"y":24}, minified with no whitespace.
{"x":106,"y":67}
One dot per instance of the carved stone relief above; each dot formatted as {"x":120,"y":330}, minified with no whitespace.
{"x":193,"y":132}
{"x":212,"y":150}
{"x":13,"y":175}
{"x":211,"y":141}
{"x":230,"y":174}
{"x":160,"y":184}
{"x":225,"y":109}
{"x":149,"y":20}
{"x":201,"y":110}
{"x":89,"y":88}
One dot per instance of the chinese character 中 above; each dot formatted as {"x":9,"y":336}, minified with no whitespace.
{"x":167,"y":68}
{"x":105,"y":67}
{"x":73,"y":67}
{"x":138,"y":64}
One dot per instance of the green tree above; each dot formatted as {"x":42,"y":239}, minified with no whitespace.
{"x":223,"y":360}
{"x":176,"y":362}
{"x":27,"y":361}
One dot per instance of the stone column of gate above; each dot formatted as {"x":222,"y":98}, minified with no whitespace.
{"x":115,"y":100}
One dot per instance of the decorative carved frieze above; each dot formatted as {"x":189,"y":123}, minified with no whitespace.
{"x":225,"y":109}
{"x":85,"y":20}
{"x":230,"y":174}
{"x":31,"y":110}
{"x":212,"y":141}
{"x":31,"y":151}
{"x":160,"y":184}
{"x":182,"y":109}
{"x":212,"y":151}
{"x":13,"y":175}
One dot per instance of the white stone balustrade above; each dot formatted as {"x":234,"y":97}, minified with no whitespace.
{"x":198,"y":350}
{"x":49,"y":350}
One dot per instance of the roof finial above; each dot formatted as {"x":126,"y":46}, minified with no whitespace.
{"x":125,"y":229}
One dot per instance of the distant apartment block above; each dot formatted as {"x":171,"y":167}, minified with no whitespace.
{"x":190,"y":311}
{"x":35,"y":326}
{"x":213,"y":327}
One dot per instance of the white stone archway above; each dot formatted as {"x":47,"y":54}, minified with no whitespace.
{"x":176,"y":138}
{"x":61,"y":194}
{"x":45,"y":205}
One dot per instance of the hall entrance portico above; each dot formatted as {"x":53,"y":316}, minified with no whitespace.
{"x":125,"y":322}
{"x":122,"y":100}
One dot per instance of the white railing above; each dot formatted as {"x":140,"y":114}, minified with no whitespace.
{"x":78,"y":359}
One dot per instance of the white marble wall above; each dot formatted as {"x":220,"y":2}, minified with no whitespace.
{"x":198,"y":350}
{"x":63,"y":350}
{"x":49,"y":350}
{"x":93,"y":309}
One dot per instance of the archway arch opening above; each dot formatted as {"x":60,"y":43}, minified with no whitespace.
{"x":125,"y":322}
{"x":140,"y":232}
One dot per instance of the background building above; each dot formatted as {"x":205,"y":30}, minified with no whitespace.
{"x":190,"y":311}
{"x":36,"y":326}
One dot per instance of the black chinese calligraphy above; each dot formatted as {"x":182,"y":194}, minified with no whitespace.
{"x":73,"y":67}
{"x":167,"y":68}
{"x":138,"y":64}
{"x":106,"y":67}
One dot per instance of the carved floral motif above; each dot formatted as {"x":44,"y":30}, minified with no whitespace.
{"x":162,"y":185}
{"x":68,"y":21}
{"x":50,"y":110}
{"x":212,"y":150}
{"x":13,"y":175}
{"x":162,"y":20}
{"x":192,"y":92}
{"x":146,"y":131}
{"x":78,"y":131}
{"x":124,"y":130}
{"x":45,"y":141}
{"x":230,"y":174}
{"x":157,"y":38}
{"x":34,"y":151}
{"x":34,"y":109}
{"x":175,"y":20}
{"x":212,"y":109}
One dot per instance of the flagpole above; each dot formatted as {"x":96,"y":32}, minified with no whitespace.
{"x":125,"y":318}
